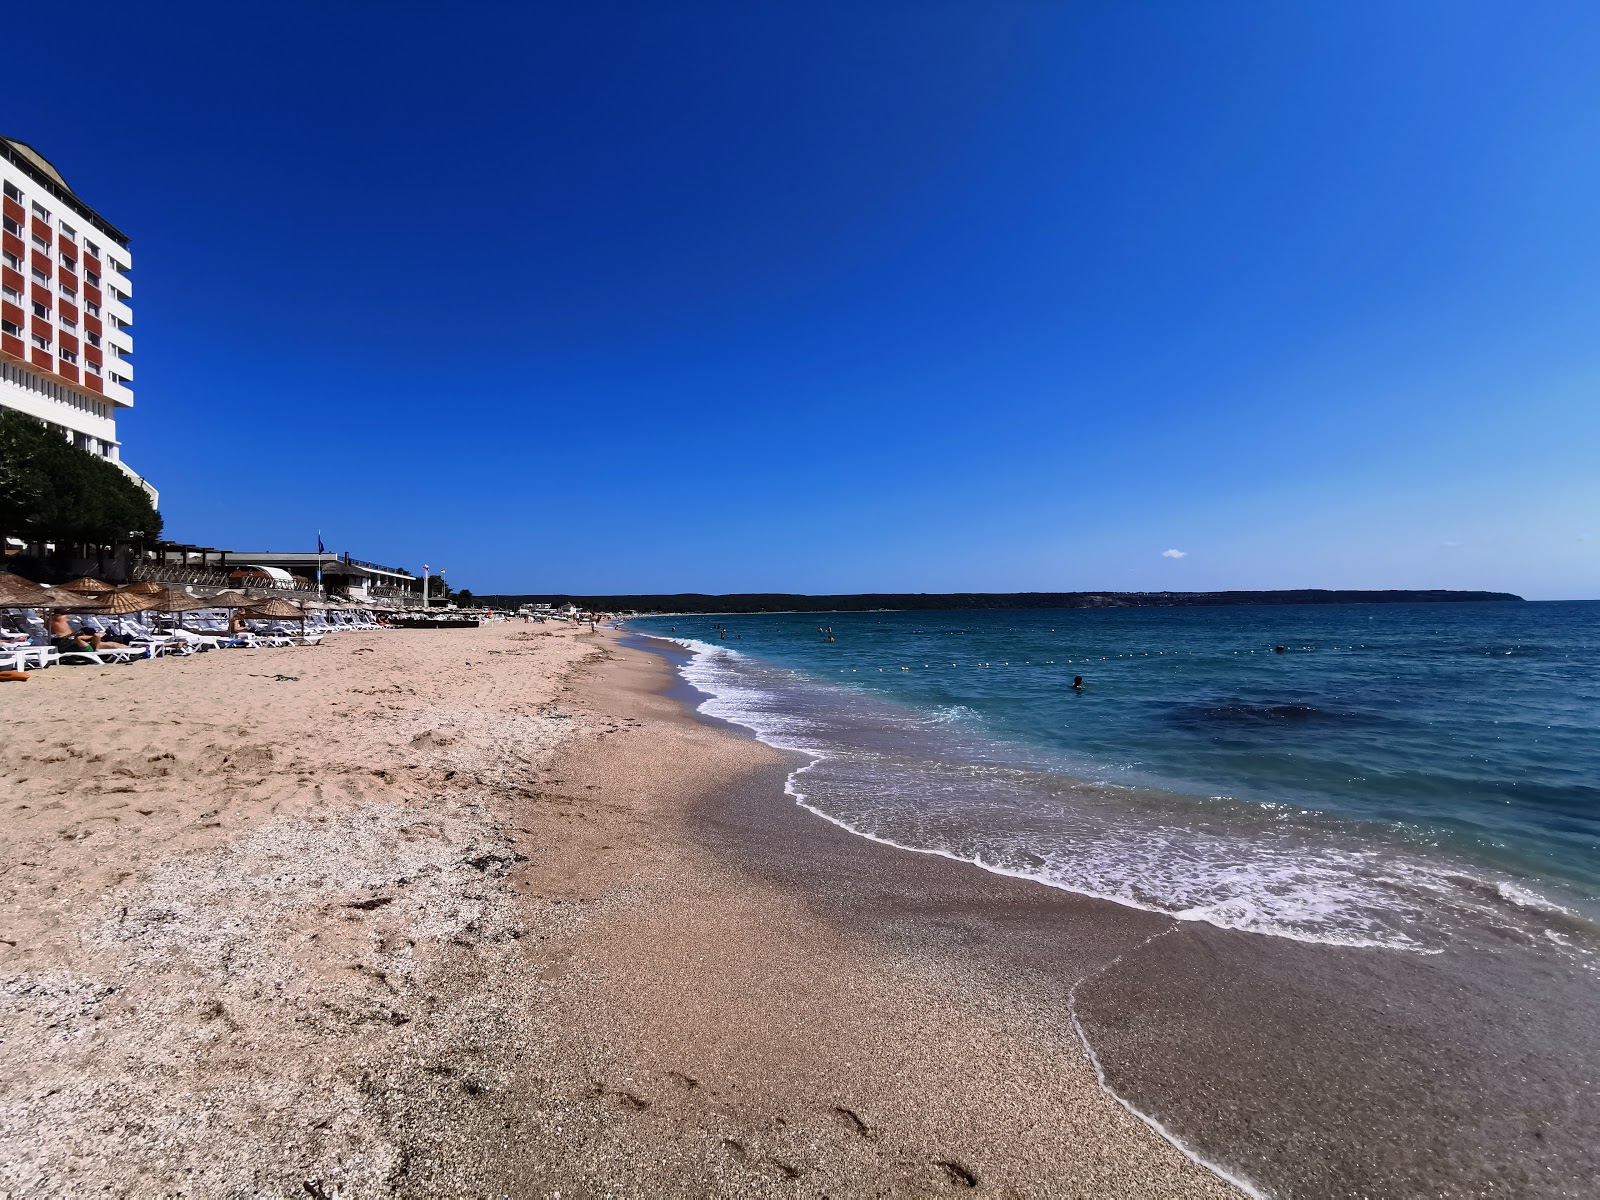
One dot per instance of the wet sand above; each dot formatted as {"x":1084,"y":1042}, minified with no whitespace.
{"x":362,"y":918}
{"x":1295,"y":1069}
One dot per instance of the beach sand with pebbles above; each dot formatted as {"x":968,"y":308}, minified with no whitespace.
{"x":362,"y":918}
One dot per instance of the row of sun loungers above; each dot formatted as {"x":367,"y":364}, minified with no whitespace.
{"x":26,"y":645}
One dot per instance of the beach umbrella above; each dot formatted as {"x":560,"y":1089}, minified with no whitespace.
{"x":109,"y":604}
{"x":176,"y":603}
{"x":17,"y":592}
{"x":164,"y":599}
{"x":87,"y":586}
{"x":230,"y":599}
{"x":276,"y":609}
{"x":146,"y":587}
{"x":273,"y":609}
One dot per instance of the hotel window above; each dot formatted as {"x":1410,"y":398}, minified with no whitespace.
{"x":12,"y":260}
{"x":68,"y":261}
{"x":94,"y":280}
{"x":68,"y":290}
{"x":120,"y":294}
{"x":42,"y":342}
{"x":92,"y":309}
{"x":40,"y":242}
{"x":41,"y":211}
{"x":8,"y":328}
{"x":41,"y":311}
{"x":68,"y":230}
{"x":12,"y":227}
{"x":91,"y":368}
{"x":40,"y":275}
{"x":92,"y":249}
{"x":10,"y":293}
{"x":68,"y":321}
{"x":92,"y":338}
{"x":67,"y":356}
{"x":11,"y":190}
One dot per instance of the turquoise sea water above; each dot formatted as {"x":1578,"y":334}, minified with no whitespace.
{"x":1400,"y":775}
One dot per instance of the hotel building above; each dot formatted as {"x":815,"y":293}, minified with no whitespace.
{"x":64,"y":315}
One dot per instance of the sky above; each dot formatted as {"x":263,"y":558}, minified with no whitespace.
{"x":868,"y":296}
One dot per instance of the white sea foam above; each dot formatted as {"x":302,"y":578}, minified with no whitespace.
{"x":1094,"y":840}
{"x":1522,"y":897}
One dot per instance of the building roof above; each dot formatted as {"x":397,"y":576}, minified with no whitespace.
{"x":43,"y":170}
{"x":331,"y":564}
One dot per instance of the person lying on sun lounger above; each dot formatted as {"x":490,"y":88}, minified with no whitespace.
{"x":67,"y":640}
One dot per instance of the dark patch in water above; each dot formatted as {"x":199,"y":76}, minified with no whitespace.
{"x":1242,"y":712}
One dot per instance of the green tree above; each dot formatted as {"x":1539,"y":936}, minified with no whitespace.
{"x":52,"y":491}
{"x":464,"y":597}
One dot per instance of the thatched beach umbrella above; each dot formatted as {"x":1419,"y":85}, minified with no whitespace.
{"x":146,"y":587}
{"x":276,"y":609}
{"x":110,"y":604}
{"x":168,"y":600}
{"x":229,"y":599}
{"x":17,"y":592}
{"x":273,"y":609}
{"x":88,"y":587}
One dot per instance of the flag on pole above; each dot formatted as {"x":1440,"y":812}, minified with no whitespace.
{"x":321,"y":549}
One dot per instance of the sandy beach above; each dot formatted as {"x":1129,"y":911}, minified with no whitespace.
{"x":492,"y":911}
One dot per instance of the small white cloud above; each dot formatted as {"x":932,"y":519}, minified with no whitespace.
{"x":1451,"y":545}
{"x":1174,"y":554}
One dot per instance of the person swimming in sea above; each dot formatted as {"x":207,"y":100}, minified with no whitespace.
{"x":1077,"y":683}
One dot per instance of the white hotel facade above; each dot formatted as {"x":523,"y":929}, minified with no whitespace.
{"x":65,"y":320}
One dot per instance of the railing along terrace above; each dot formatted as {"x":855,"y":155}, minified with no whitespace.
{"x":178,"y":573}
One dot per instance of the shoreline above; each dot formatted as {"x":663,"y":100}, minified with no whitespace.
{"x":1298,"y":1066}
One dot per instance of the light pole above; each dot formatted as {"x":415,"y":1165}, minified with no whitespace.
{"x":424,"y":585}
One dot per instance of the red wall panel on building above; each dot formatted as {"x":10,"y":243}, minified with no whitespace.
{"x":92,"y":324}
{"x":91,"y":263}
{"x":68,"y":342}
{"x":69,"y":310}
{"x":41,"y":358}
{"x":92,"y":294}
{"x":41,"y":294}
{"x":68,"y":279}
{"x":93,"y":381}
{"x":91,"y":354}
{"x":15,"y":211}
{"x":39,"y":228}
{"x":12,"y":312}
{"x":42,"y":328}
{"x":13,"y":280}
{"x":42,"y":261}
{"x":67,"y":371}
{"x":12,"y":345}
{"x":13,"y":245}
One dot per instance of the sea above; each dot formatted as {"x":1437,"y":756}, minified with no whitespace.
{"x":1395,"y":776}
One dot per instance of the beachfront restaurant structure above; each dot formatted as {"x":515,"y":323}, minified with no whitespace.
{"x":339,"y":574}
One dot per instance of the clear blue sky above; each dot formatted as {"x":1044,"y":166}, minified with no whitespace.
{"x":860,"y":296}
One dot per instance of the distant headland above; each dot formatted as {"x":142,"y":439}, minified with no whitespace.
{"x":757,"y":602}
